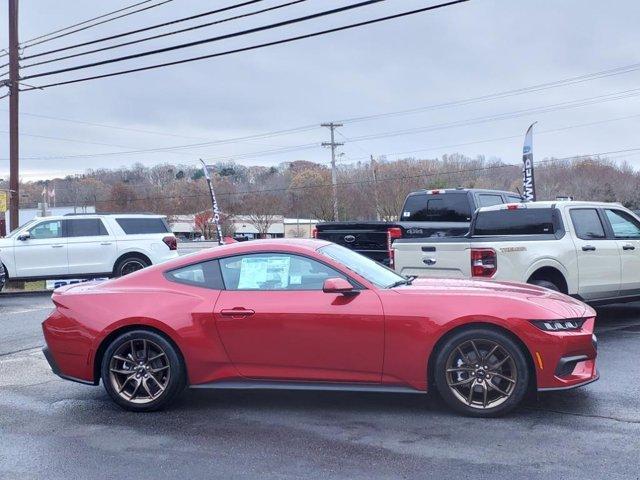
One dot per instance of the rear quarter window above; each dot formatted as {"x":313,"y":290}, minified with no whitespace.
{"x":132,"y":226}
{"x":534,"y":221}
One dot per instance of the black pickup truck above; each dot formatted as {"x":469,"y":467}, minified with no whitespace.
{"x":426,"y":213}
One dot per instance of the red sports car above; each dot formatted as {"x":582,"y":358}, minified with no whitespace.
{"x":308,"y":314}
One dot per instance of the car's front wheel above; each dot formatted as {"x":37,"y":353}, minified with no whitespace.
{"x":481,"y":372}
{"x":142,"y":371}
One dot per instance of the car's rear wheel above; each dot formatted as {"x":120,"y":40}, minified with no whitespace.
{"x":142,"y":371}
{"x":481,"y":372}
{"x":129,"y":265}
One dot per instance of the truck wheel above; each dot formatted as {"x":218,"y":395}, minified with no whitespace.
{"x":481,"y":372}
{"x":129,"y":265}
{"x":545,"y":284}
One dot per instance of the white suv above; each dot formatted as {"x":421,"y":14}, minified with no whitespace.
{"x":85,"y":246}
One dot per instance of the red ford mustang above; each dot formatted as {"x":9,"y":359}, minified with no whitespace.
{"x":308,"y":314}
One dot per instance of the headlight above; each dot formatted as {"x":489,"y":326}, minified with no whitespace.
{"x":559,"y":325}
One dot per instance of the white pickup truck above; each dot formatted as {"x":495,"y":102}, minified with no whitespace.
{"x":589,"y":250}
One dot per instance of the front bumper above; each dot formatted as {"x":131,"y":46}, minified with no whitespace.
{"x":564,"y":360}
{"x":571,"y":387}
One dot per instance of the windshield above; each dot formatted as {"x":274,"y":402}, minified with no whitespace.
{"x":376,"y":273}
{"x":15,"y":231}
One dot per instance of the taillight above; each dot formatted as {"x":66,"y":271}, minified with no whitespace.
{"x":314,"y":232}
{"x":171,"y":242}
{"x":392,"y":234}
{"x":484,"y":262}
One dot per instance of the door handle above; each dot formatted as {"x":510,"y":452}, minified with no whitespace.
{"x":588,"y":248}
{"x":105,"y":243}
{"x":237,"y":312}
{"x":429,"y":261}
{"x":628,"y":247}
{"x":57,"y":246}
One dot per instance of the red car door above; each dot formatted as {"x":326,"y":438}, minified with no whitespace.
{"x":276,"y":322}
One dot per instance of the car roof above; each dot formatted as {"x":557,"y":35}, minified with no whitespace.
{"x":293,"y":245}
{"x":462,"y":190}
{"x":72,"y":216}
{"x":551,"y":204}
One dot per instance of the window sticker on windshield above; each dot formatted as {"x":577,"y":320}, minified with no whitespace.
{"x":264,"y":272}
{"x":406,"y":214}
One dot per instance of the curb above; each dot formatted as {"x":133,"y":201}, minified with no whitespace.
{"x":35,"y":293}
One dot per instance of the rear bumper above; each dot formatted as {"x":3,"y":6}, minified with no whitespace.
{"x":68,"y":354}
{"x":55,"y":369}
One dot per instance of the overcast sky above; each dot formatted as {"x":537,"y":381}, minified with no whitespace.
{"x":463,"y":51}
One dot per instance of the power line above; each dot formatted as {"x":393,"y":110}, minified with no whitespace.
{"x":114,"y":127}
{"x":218,"y":38}
{"x":505,"y":116}
{"x":226,"y":141}
{"x":528,"y":89}
{"x":504,"y":94}
{"x":354,"y":140}
{"x":145,"y":29}
{"x":44,"y":40}
{"x":255,"y":47}
{"x":509,"y":137}
{"x":87,"y":21}
{"x":133,"y":42}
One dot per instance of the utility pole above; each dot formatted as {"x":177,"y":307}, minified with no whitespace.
{"x":374,"y":168}
{"x":14,"y":184}
{"x":334,"y":179}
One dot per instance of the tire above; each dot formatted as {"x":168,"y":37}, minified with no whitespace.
{"x":467,"y":382}
{"x":149,"y":383}
{"x":545,"y":284}
{"x":129,"y":264}
{"x":3,"y":276}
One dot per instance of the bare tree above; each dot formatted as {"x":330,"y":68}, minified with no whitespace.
{"x":262,"y":211}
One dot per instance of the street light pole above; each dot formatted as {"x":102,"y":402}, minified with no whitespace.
{"x":14,"y":152}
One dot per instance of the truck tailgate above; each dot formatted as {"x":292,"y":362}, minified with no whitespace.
{"x":450,"y":259}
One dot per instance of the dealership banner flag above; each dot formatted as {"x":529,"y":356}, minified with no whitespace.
{"x":214,"y":204}
{"x":528,"y":180}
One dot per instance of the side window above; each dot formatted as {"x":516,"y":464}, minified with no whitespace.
{"x":623,"y":224}
{"x":587,"y":224}
{"x":43,"y":230}
{"x":514,"y":199}
{"x":138,"y":225}
{"x":274,"y":271}
{"x":204,"y":274}
{"x":487,"y":200}
{"x":85,"y":227}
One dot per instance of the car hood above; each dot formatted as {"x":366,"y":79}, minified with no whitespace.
{"x":563,"y":306}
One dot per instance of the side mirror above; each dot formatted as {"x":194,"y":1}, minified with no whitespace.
{"x":24,"y":236}
{"x":338,"y":285}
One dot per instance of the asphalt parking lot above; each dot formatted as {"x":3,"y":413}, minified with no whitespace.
{"x":50,"y":428}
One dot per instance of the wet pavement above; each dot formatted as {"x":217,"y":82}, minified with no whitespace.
{"x":54,"y":429}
